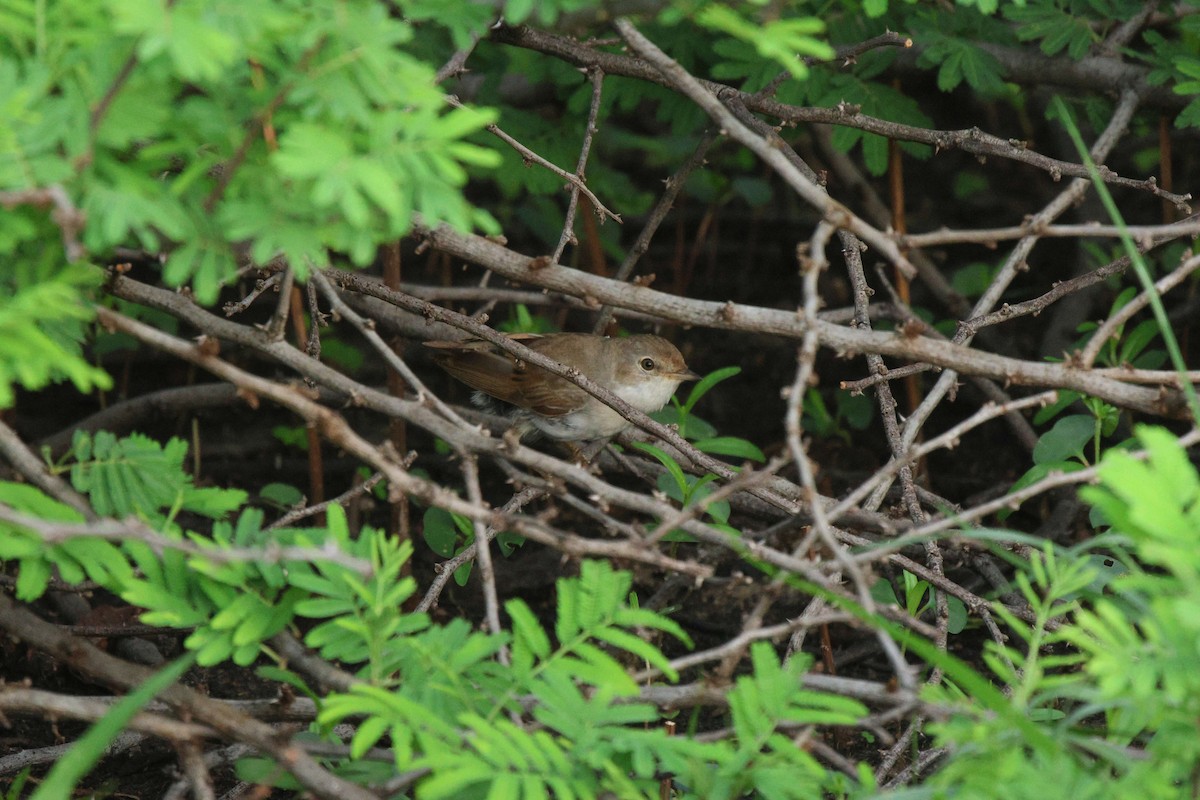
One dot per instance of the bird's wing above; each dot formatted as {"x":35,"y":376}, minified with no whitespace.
{"x":482,"y":366}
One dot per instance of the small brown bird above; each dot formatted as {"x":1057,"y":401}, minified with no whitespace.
{"x":642,"y":370}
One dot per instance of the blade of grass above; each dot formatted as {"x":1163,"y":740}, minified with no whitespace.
{"x":69,"y":770}
{"x":1135,"y":257}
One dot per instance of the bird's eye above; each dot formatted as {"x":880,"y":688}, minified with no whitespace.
{"x":647,"y":364}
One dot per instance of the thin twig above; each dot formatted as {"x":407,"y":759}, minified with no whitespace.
{"x":833,"y":212}
{"x":297,"y":514}
{"x":483,"y":554}
{"x":666,"y":202}
{"x":393,"y":359}
{"x":85,"y":659}
{"x":1108,"y":328}
{"x":989,"y":237}
{"x":970,"y":140}
{"x":568,"y":233}
{"x":52,"y":532}
{"x":1010,"y":269}
{"x":533,"y":157}
{"x":34,"y":470}
{"x":948,"y":439}
{"x":446,"y":569}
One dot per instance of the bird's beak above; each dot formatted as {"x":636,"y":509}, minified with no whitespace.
{"x":687,"y":375}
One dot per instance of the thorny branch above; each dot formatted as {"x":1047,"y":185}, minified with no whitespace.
{"x":840,"y":544}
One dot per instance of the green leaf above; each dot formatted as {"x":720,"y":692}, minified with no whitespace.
{"x":266,"y":772}
{"x":957,"y":619}
{"x":1136,"y":341}
{"x":163,"y":607}
{"x":973,"y":279}
{"x":882,"y":592}
{"x":672,"y":467}
{"x":634,"y":645}
{"x":41,"y":326}
{"x":33,"y":579}
{"x":783,"y":41}
{"x":528,"y":636}
{"x":1065,"y":399}
{"x":1067,"y":439}
{"x":960,"y":59}
{"x":310,"y":150}
{"x":690,"y":426}
{"x":439,"y":531}
{"x":100,"y":560}
{"x":280,"y":675}
{"x":705,"y":384}
{"x":281,"y":494}
{"x":1036,"y":473}
{"x":817,"y":416}
{"x":137,"y":475}
{"x":1056,"y":28}
{"x":730,"y":446}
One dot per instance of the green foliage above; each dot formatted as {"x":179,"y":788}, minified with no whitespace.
{"x":440,"y":693}
{"x":1106,"y":667}
{"x":703,"y":435}
{"x":362,"y":614}
{"x":1122,"y":649}
{"x":874,"y":99}
{"x":586,"y":743}
{"x":1061,"y":449}
{"x":448,"y":707}
{"x":135,"y":475}
{"x":302,"y":128}
{"x":1050,"y":585}
{"x":233,"y":606}
{"x":1064,"y":448}
{"x":365,"y":140}
{"x":1177,"y":62}
{"x":783,"y":41}
{"x":129,"y":477}
{"x":291,"y":436}
{"x":987,"y":750}
{"x":26,"y":549}
{"x":1065,"y":441}
{"x":42,"y":316}
{"x":281,"y":495}
{"x":348,"y":358}
{"x":16,"y":788}
{"x":593,"y":607}
{"x":959,"y":59}
{"x":521,"y":321}
{"x":690,"y":489}
{"x":919,"y":598}
{"x":1137,"y":260}
{"x":518,"y":11}
{"x":765,"y":758}
{"x":973,"y":279}
{"x":442,"y":529}
{"x":1127,"y":348}
{"x":448,"y":533}
{"x":851,"y":411}
{"x":1054,"y":27}
{"x":1068,"y":440}
{"x":1140,"y":637}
